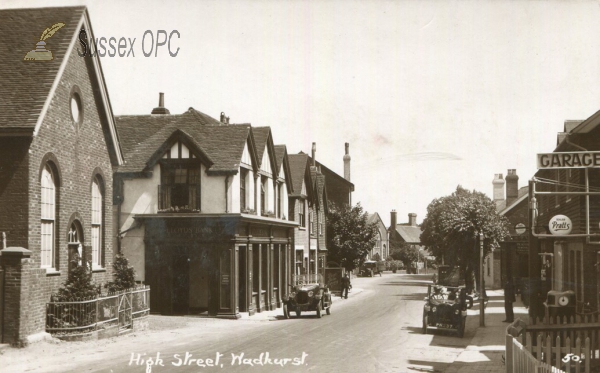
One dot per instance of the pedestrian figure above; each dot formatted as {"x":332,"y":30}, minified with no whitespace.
{"x":509,"y":298}
{"x":346,"y":285}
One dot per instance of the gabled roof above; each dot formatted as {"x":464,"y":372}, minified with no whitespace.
{"x":263,"y":139}
{"x":410,"y":234}
{"x":375,"y":218}
{"x":281,"y":158}
{"x":300,"y":173}
{"x":144,"y":134}
{"x":28,"y":86}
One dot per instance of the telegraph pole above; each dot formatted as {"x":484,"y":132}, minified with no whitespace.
{"x":481,"y":289}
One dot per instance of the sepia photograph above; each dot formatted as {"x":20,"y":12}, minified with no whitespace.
{"x":300,"y":186}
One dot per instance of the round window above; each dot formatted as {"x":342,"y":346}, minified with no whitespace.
{"x":75,"y":105}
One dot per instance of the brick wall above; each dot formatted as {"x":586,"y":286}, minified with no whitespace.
{"x":13,"y":189}
{"x":79,"y":150}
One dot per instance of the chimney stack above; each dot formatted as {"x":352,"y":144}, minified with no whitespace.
{"x":412,"y":219}
{"x":498,"y":184}
{"x":314,"y":151}
{"x":512,"y":187}
{"x":393,"y":220}
{"x":161,"y":109}
{"x":347,"y":163}
{"x":224,"y":119}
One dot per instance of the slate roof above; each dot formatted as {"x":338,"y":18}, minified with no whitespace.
{"x":280,"y":151}
{"x":329,"y":173}
{"x":143,"y":135}
{"x":298,"y":170}
{"x":261,"y":135}
{"x":410,"y":234}
{"x":501,"y":205}
{"x":26,"y":84}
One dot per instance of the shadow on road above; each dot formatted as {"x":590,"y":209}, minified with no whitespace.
{"x":414,"y":296}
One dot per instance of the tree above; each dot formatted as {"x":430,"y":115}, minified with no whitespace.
{"x":349,"y":236}
{"x":404,"y":252}
{"x":123,"y":274}
{"x":78,"y":285}
{"x":452,"y":226}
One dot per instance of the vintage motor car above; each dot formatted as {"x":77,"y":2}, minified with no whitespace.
{"x":371,"y":268}
{"x":446,"y":309}
{"x":308,"y":293}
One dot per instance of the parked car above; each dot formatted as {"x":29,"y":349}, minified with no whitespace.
{"x":371,"y":268}
{"x":446,"y":309}
{"x":309,"y":293}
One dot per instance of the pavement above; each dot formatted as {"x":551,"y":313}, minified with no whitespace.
{"x":485,"y":350}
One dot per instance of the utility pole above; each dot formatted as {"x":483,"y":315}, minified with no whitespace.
{"x":481,"y":289}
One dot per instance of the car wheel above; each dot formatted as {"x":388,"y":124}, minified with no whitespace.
{"x":425,"y":324}
{"x":298,"y":312}
{"x":319,"y":315}
{"x":329,"y":310}
{"x":286,"y":314}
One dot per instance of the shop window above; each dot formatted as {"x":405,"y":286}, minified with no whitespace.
{"x":48,"y":215}
{"x":180,"y":186}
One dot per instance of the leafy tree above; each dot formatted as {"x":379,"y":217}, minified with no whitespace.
{"x":123,"y":274}
{"x":452,"y":226}
{"x":404,"y":252}
{"x":349,"y":236}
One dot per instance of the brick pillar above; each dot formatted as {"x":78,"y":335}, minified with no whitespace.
{"x":17,"y":264}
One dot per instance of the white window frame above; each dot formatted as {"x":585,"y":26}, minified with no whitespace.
{"x":47,"y":221}
{"x":97,"y":223}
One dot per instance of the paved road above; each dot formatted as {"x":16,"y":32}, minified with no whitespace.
{"x":376,"y":330}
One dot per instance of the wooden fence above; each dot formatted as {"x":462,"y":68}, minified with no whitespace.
{"x":552,"y":347}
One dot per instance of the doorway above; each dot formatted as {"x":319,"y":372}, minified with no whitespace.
{"x":180,"y":281}
{"x":243,"y":280}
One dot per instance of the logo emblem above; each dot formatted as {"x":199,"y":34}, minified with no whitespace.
{"x":563,"y":301}
{"x":40,"y":53}
{"x":560,"y":225}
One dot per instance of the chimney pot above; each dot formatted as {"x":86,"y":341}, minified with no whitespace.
{"x":347,"y":162}
{"x":512,"y":187}
{"x":393,"y":219}
{"x":314,"y":151}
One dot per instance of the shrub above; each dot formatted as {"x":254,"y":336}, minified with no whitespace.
{"x":123,"y":274}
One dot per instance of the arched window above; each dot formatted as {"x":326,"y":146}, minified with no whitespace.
{"x":48,"y":203}
{"x":97,"y":222}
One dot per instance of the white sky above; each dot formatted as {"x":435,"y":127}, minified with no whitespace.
{"x":428,"y":94}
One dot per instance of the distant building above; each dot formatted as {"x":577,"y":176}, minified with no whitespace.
{"x":408,"y":233}
{"x":382,"y":246}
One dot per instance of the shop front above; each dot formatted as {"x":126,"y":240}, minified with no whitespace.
{"x":216,"y":265}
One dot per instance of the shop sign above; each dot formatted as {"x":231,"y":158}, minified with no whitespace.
{"x":560,"y":225}
{"x":520,"y":228}
{"x":568,"y":160}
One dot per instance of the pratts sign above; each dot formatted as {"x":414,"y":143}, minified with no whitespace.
{"x":568,"y":160}
{"x":560,"y":225}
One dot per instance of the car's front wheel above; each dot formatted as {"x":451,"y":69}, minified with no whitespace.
{"x":319,"y":315}
{"x":298,"y":312}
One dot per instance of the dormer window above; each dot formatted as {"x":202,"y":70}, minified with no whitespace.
{"x":180,"y":186}
{"x":243,"y":189}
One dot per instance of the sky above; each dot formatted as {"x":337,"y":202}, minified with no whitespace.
{"x":429,"y":94}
